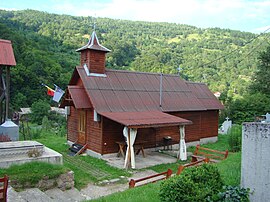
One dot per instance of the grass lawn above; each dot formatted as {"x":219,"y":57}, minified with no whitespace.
{"x":33,"y":172}
{"x":147,"y":193}
{"x":230,"y":170}
{"x":86,"y":168}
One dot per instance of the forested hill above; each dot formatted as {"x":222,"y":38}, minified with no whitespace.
{"x":45,"y":45}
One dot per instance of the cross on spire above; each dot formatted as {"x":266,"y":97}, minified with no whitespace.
{"x":94,"y":25}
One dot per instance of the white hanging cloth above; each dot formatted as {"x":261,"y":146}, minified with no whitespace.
{"x":130,"y":139}
{"x":125,"y":133}
{"x":182,"y":145}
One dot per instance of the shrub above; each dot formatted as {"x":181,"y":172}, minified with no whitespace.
{"x":194,"y":184}
{"x":232,"y":194}
{"x":235,"y":138}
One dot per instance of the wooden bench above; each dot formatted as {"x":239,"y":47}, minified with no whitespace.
{"x":151,"y":178}
{"x":213,"y":155}
{"x":138,"y":146}
{"x":3,"y":188}
{"x":196,"y":163}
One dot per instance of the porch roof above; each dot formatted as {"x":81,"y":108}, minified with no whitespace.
{"x":145,"y":119}
{"x":79,"y":97}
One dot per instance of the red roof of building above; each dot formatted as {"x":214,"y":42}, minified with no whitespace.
{"x":145,"y":119}
{"x":79,"y":97}
{"x":126,"y":91}
{"x":205,"y":96}
{"x":6,"y":53}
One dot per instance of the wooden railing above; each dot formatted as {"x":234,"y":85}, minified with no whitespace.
{"x":196,"y":163}
{"x":213,"y":155}
{"x":3,"y":188}
{"x":150,"y":179}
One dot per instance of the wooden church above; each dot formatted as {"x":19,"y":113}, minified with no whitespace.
{"x":102,"y":103}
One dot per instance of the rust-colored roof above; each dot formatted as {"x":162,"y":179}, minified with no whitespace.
{"x":145,"y":119}
{"x":122,"y":91}
{"x":79,"y":97}
{"x":205,"y":96}
{"x":6,"y":53}
{"x":93,"y":44}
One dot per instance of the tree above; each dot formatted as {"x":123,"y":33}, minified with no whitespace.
{"x":246,"y":108}
{"x":261,"y":82}
{"x":39,"y":109}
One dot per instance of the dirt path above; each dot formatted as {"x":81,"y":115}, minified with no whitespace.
{"x":94,"y":191}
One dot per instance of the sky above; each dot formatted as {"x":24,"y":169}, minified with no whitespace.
{"x":244,"y":15}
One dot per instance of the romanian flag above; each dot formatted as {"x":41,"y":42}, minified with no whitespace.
{"x":50,"y":91}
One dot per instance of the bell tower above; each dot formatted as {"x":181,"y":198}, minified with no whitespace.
{"x":93,"y":55}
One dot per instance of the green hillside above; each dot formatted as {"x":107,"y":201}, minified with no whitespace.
{"x":45,"y":45}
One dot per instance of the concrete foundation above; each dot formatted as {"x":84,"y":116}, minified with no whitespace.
{"x":21,"y":152}
{"x":255,"y":170}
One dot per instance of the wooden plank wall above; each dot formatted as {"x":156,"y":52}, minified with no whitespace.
{"x":205,"y":124}
{"x":209,"y":124}
{"x":112,"y":132}
{"x":94,"y":132}
{"x":148,"y":135}
{"x":172,"y":131}
{"x":101,"y":136}
{"x":193,"y":131}
{"x":72,"y":125}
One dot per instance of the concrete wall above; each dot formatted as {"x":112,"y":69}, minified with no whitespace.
{"x":255,"y":171}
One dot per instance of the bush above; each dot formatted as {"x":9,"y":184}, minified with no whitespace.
{"x":232,"y":194}
{"x":194,"y":184}
{"x":235,"y":138}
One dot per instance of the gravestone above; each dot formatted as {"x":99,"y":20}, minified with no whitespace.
{"x":255,"y":168}
{"x":226,"y":125}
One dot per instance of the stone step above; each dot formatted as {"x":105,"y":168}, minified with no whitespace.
{"x":58,"y":195}
{"x":35,"y":195}
{"x":75,"y":148}
{"x":14,"y":196}
{"x":74,"y":195}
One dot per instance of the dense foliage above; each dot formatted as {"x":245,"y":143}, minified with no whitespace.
{"x":39,"y":110}
{"x":261,"y":81}
{"x":194,"y":184}
{"x":235,"y":138}
{"x":45,"y":45}
{"x":256,"y":101}
{"x":232,"y":194}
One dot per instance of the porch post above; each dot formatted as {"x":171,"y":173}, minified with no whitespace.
{"x":182,"y":145}
{"x":130,"y":134}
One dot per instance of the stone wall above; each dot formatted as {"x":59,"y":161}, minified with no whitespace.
{"x":64,"y":182}
{"x":255,"y":170}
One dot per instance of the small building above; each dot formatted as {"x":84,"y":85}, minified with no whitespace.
{"x":7,"y":60}
{"x":8,"y":130}
{"x":103,"y":103}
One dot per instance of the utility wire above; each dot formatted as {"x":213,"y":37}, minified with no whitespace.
{"x":237,"y":49}
{"x":265,"y":39}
